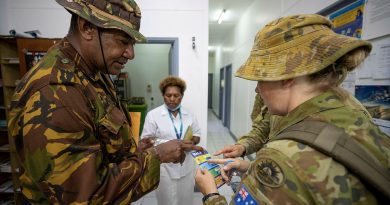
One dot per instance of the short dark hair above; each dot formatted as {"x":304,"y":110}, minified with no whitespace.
{"x":73,"y":24}
{"x":172,"y":81}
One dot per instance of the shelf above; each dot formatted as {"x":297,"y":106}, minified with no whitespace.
{"x":6,"y":187}
{"x":5,"y":167}
{"x":11,"y":61}
{"x":5,"y":148}
{"x":16,"y":58}
{"x":3,"y":123}
{"x":9,"y":65}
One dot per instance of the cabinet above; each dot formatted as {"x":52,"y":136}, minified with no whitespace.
{"x":17,"y":55}
{"x":9,"y":65}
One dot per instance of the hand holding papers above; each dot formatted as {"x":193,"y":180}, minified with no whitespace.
{"x":201,"y":158}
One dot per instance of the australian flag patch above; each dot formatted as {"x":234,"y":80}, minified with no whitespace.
{"x":243,"y":197}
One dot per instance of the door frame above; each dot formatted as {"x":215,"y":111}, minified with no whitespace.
{"x":173,"y":53}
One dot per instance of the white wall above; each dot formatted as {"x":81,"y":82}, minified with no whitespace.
{"x":182,"y":19}
{"x":235,"y":50}
{"x":44,"y":15}
{"x":211,"y":67}
{"x":3,"y":17}
{"x":143,"y":72}
{"x":292,"y":7}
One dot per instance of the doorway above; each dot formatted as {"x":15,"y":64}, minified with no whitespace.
{"x":210,"y":91}
{"x":225,"y":89}
{"x":153,"y":61}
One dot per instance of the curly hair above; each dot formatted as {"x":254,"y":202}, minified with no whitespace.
{"x":172,"y":81}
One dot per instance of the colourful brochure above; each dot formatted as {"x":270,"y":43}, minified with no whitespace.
{"x":201,"y":158}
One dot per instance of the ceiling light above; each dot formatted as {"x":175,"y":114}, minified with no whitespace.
{"x":220,"y":18}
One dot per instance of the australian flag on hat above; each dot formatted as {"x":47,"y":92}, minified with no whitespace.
{"x":243,"y":197}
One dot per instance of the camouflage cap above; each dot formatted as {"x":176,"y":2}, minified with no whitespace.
{"x":296,"y":46}
{"x":124,"y":15}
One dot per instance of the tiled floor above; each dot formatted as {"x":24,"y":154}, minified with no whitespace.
{"x":217,"y":137}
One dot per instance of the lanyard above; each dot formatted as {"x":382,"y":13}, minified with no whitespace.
{"x":178,"y":135}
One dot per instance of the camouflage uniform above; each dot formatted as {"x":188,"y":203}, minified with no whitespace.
{"x":73,"y":138}
{"x":299,"y":174}
{"x":70,"y":132}
{"x":258,"y":136}
{"x":288,"y":172}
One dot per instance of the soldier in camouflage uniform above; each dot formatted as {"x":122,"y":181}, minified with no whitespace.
{"x":299,"y":62}
{"x":71,"y":134}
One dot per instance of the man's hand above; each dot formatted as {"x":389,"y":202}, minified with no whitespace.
{"x":205,"y":182}
{"x":231,"y":151}
{"x":145,"y":143}
{"x":174,"y":150}
{"x":195,"y":140}
{"x":188,"y":145}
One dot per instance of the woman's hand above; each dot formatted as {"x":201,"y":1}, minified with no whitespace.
{"x":205,"y":182}
{"x":229,"y":165}
{"x":231,"y":151}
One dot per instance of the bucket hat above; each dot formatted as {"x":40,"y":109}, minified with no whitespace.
{"x":124,"y":15}
{"x":295,"y":46}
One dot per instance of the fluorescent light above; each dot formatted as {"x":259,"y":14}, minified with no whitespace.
{"x":220,"y":18}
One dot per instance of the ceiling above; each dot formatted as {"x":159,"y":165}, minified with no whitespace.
{"x":234,"y":10}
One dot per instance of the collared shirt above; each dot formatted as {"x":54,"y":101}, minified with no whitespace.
{"x":159,"y":124}
{"x":73,"y":136}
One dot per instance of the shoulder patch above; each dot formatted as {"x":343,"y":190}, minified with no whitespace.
{"x":269,"y":173}
{"x":63,"y":72}
{"x":244,"y":197}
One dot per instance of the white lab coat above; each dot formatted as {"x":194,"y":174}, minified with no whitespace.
{"x":176,"y":181}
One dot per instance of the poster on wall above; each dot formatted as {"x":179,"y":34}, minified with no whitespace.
{"x":349,"y":20}
{"x":377,"y":65}
{"x":32,"y":58}
{"x":382,"y":67}
{"x":377,"y":18}
{"x":376,"y":99}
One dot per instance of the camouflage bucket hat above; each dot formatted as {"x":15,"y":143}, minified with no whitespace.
{"x":124,"y":15}
{"x":295,"y":46}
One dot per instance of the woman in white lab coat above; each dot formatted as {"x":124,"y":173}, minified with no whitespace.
{"x":170,"y":121}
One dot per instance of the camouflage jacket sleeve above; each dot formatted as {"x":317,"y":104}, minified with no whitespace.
{"x":216,"y":200}
{"x":62,"y":159}
{"x":258,"y":136}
